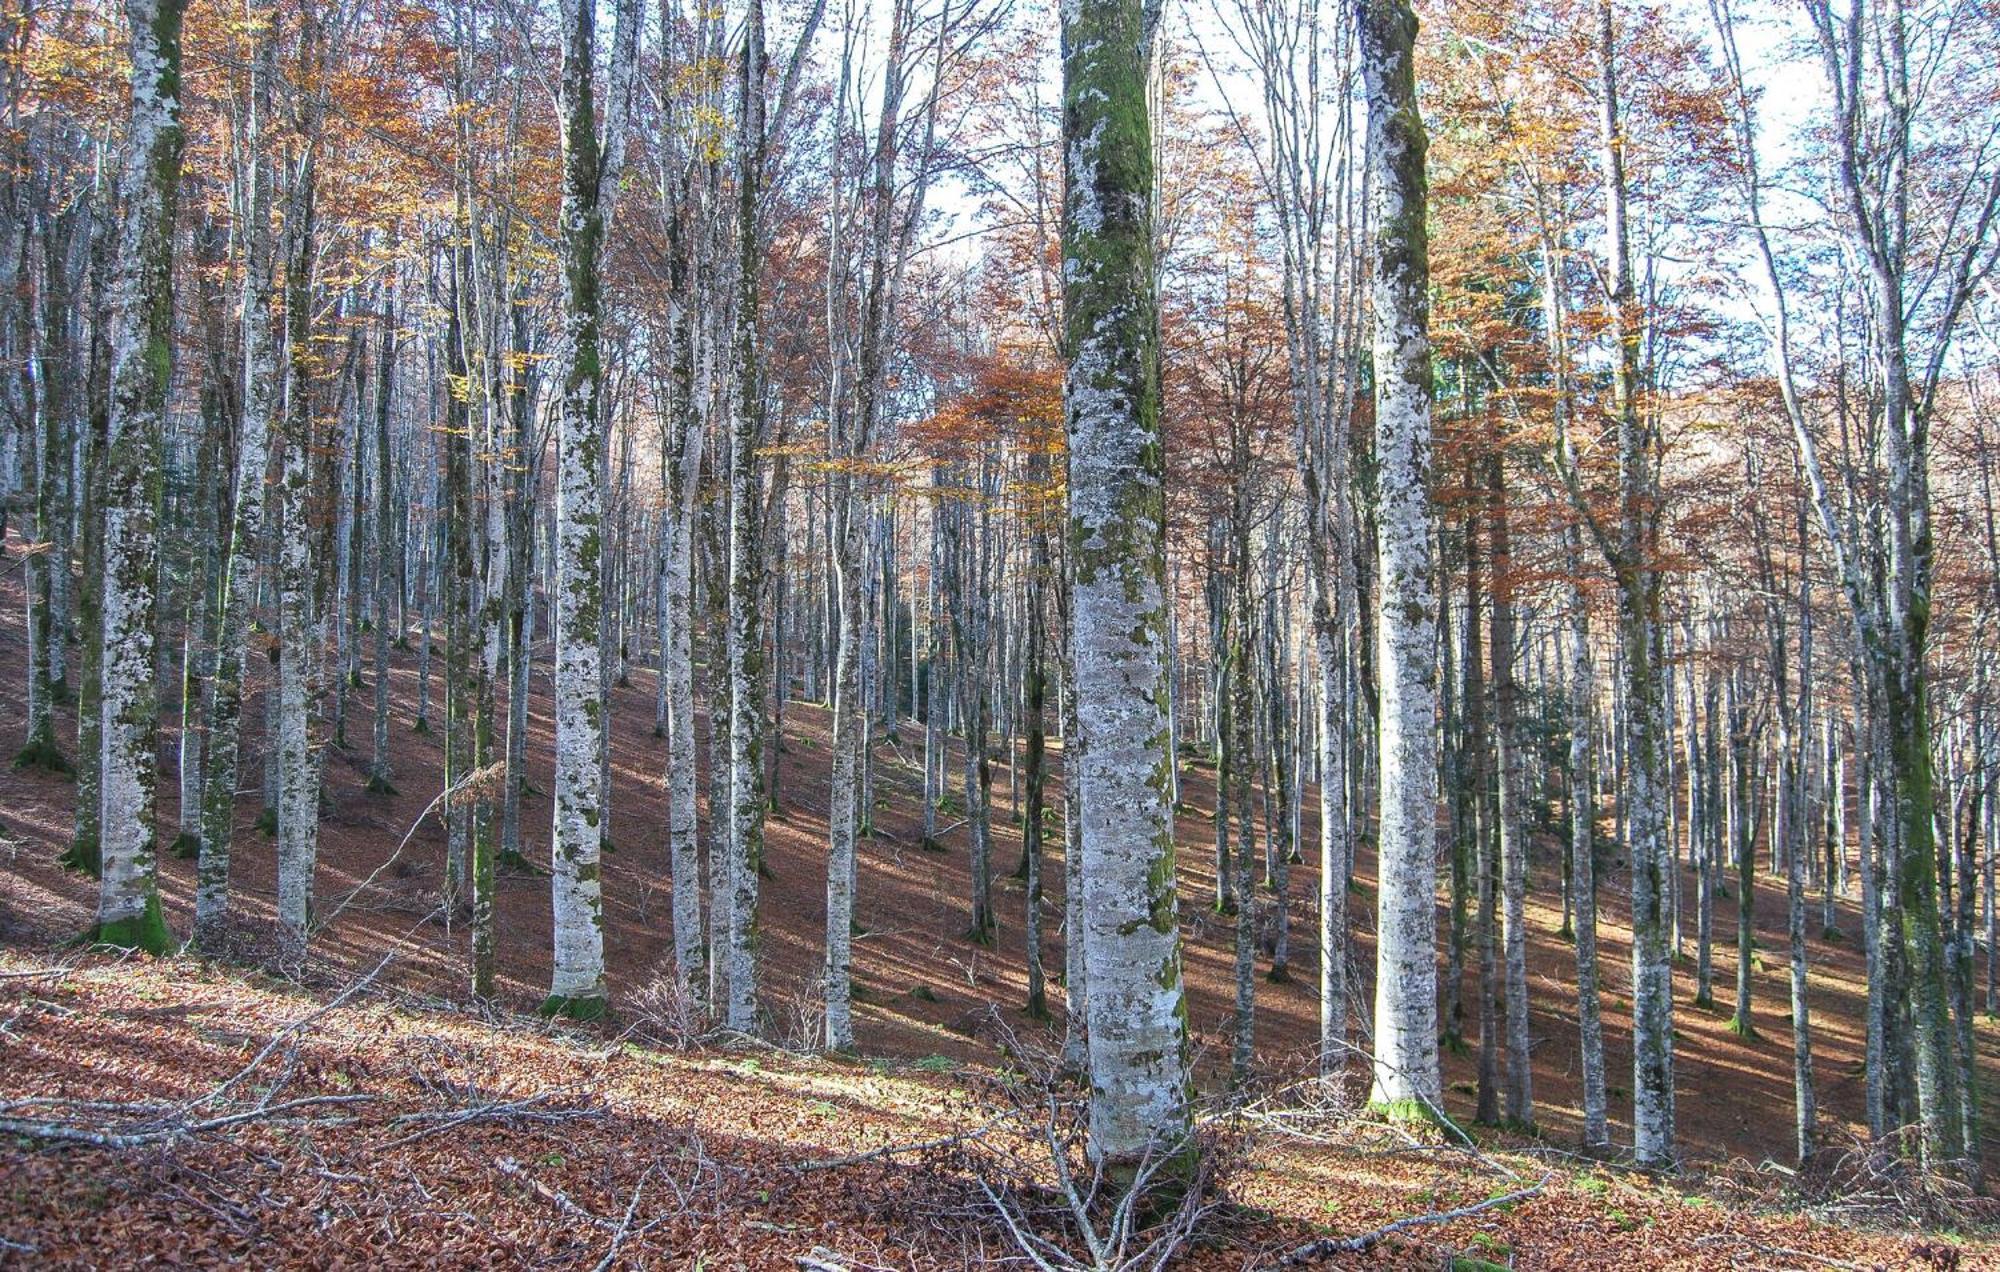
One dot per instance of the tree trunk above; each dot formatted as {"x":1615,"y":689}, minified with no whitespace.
{"x":576,"y":986}
{"x":1583,"y":852}
{"x":1406,"y":1061}
{"x":1513,"y":831}
{"x":1137,"y":1014}
{"x":141,"y":322}
{"x":247,"y":521}
{"x":745,"y":646}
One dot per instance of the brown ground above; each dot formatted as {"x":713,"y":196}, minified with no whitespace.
{"x":927,"y":991}
{"x":720,"y":1160}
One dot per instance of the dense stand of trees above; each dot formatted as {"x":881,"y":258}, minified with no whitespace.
{"x":1497,"y":435}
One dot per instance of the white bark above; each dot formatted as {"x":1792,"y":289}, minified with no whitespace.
{"x":1406,"y":1064}
{"x":1583,"y":855}
{"x":1130,"y":906}
{"x":247,"y":523}
{"x":683,"y":847}
{"x":298,"y":773}
{"x":140,"y":323}
{"x":577,"y":981}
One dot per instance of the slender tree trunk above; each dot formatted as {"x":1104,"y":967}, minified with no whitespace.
{"x":48,"y":347}
{"x":745,"y":646}
{"x":1033,"y":759}
{"x":1513,"y":830}
{"x":1645,"y":793}
{"x":247,"y":521}
{"x":1282,"y":837}
{"x":379,"y":774}
{"x":1239,"y":749}
{"x":298,"y":613}
{"x":684,"y":484}
{"x":85,"y":844}
{"x":466,"y":731}
{"x":1743,"y":850}
{"x":1484,"y":846}
{"x":1583,"y":853}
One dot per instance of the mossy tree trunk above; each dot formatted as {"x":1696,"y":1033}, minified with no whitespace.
{"x":576,"y":984}
{"x":1136,"y":1009}
{"x":1406,"y":1036}
{"x":744,"y":852}
{"x":141,"y":323}
{"x":298,"y":564}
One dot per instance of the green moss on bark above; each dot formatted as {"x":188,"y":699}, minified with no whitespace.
{"x":575,"y":1007}
{"x":83,"y":856}
{"x":147,"y":931}
{"x":44,"y":754}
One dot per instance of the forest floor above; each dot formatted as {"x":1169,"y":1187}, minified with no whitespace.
{"x":731,"y":1144}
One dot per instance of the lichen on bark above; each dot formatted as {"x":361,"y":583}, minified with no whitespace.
{"x":1137,"y":1025}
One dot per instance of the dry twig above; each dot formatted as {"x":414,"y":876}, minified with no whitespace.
{"x":1325,"y":1247}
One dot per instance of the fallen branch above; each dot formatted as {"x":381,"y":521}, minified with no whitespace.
{"x":522,"y":1110}
{"x":161,"y":1130}
{"x":896,"y":1150}
{"x":554,"y":1196}
{"x":1325,"y":1247}
{"x":331,"y":1005}
{"x":38,"y":972}
{"x":1781,"y":1252}
{"x":625,"y":1224}
{"x":822,"y":1259}
{"x":478,"y":776}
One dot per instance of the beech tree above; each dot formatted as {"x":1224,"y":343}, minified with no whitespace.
{"x":141,"y":339}
{"x":1137,"y":1027}
{"x":1406,"y":1066}
{"x":1584,"y":500}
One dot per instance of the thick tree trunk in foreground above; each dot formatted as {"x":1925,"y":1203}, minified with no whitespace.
{"x":1137,"y":1014}
{"x":576,"y":987}
{"x":1406,"y":1062}
{"x":141,"y":321}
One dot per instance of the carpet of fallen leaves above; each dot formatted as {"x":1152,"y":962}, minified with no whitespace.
{"x":384,"y":1130}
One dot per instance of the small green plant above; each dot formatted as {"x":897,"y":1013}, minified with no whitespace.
{"x":936,"y":1064}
